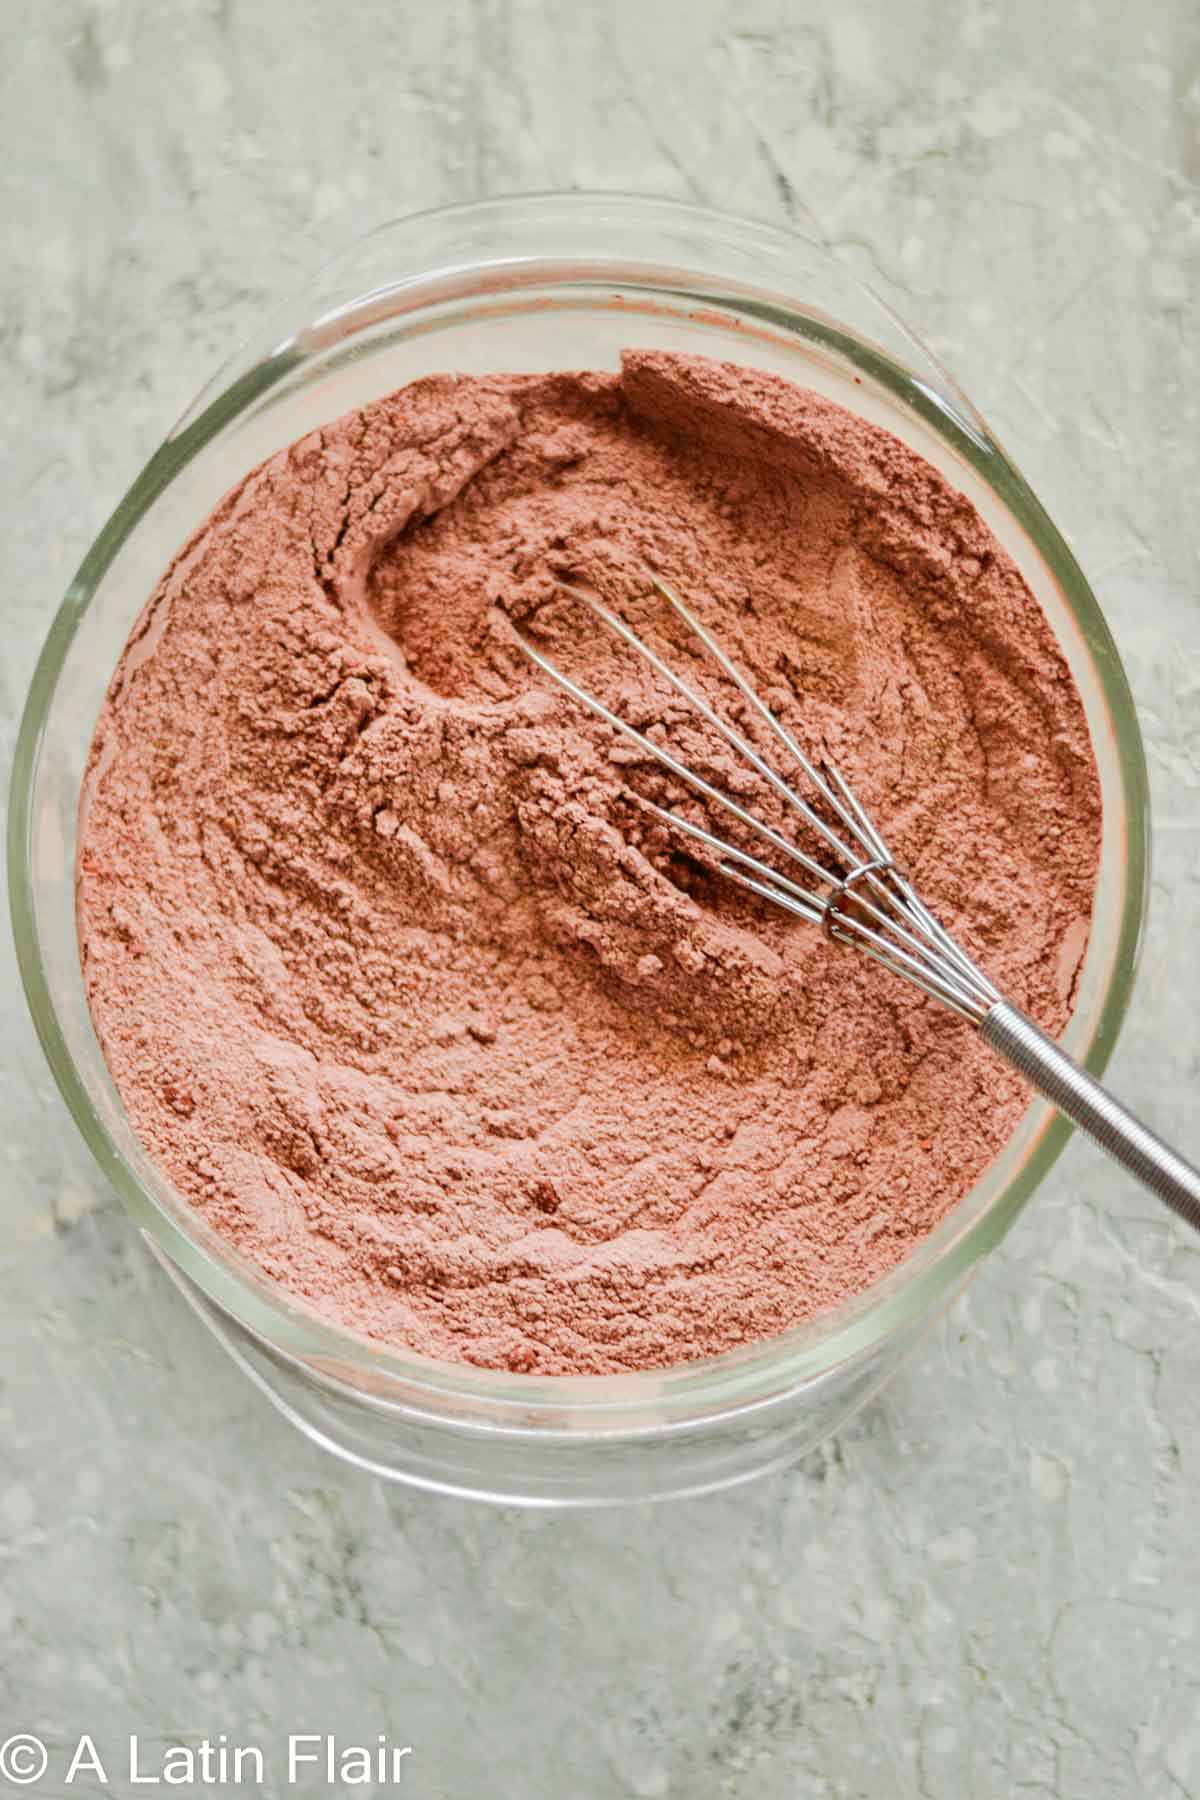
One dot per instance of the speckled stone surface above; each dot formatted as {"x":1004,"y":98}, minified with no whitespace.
{"x":990,"y":1584}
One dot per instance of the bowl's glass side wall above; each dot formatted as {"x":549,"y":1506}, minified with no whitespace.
{"x":510,"y":314}
{"x":536,"y":1466}
{"x":500,"y":245}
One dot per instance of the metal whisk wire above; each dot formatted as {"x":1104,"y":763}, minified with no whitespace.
{"x":857,"y":895}
{"x":869,"y":901}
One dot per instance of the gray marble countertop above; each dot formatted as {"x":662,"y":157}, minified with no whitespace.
{"x":990,"y":1584}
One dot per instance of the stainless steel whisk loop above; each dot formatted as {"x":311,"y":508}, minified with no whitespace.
{"x":855,"y":893}
{"x":878,"y":865}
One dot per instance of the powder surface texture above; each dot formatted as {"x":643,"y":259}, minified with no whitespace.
{"x":410,"y":995}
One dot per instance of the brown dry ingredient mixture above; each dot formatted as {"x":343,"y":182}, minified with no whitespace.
{"x":409,"y":996}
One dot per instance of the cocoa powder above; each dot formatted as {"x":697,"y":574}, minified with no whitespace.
{"x":409,"y":994}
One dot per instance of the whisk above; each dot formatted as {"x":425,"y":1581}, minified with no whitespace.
{"x":854,"y":891}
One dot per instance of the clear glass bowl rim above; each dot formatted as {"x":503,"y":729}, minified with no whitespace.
{"x":742,"y":1377}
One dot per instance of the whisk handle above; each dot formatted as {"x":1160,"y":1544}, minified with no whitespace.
{"x":1081,"y":1098}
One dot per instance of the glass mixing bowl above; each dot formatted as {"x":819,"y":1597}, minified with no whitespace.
{"x":555,"y":281}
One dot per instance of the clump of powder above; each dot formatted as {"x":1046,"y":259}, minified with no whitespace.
{"x":411,"y":997}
